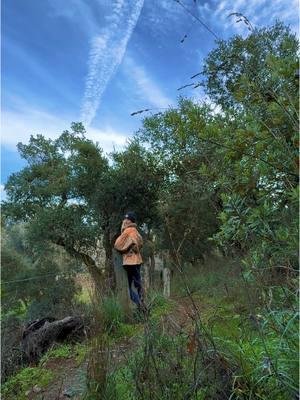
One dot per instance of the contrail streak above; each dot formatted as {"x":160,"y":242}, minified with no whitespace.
{"x":106,"y":53}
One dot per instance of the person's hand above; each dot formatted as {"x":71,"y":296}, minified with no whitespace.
{"x":134,"y":248}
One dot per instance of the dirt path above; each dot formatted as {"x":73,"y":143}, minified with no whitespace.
{"x":70,"y":379}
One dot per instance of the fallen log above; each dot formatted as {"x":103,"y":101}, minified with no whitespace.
{"x":39,"y":335}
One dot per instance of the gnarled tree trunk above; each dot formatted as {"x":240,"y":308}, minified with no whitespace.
{"x":41,"y":334}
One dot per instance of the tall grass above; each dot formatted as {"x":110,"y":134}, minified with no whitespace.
{"x":239,"y":340}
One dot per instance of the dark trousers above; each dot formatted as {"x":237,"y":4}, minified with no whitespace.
{"x":134,"y":276}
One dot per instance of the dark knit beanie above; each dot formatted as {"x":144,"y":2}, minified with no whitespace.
{"x":131,"y":216}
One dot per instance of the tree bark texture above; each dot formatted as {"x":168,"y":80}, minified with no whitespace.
{"x":41,"y":334}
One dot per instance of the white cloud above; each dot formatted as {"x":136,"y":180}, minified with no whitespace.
{"x":144,"y":86}
{"x":107,"y":138}
{"x":106,"y":54}
{"x":18,"y":125}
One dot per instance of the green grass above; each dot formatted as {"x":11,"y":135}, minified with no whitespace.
{"x":77,"y":352}
{"x":16,"y":387}
{"x":261,"y":348}
{"x":267,"y":360}
{"x":159,"y":306}
{"x":84,"y":297}
{"x":126,"y":331}
{"x":112,"y":315}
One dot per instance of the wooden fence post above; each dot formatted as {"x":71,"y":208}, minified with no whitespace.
{"x":166,"y":282}
{"x":146,"y":276}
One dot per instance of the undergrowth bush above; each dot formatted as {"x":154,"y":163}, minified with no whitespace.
{"x":11,"y":355}
{"x":241,"y":342}
{"x":216,"y":276}
{"x":265,"y":350}
{"x":166,"y":367}
{"x":231,"y":357}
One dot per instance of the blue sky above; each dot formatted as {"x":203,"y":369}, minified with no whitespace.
{"x":97,"y":61}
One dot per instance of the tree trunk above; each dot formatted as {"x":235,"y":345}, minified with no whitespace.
{"x":92,"y":268}
{"x":39,"y":335}
{"x":109,"y":264}
{"x":96,"y":274}
{"x":122,"y":290}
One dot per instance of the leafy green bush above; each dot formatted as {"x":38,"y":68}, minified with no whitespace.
{"x":264,"y":349}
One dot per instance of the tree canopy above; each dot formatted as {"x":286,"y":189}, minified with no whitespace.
{"x":226,"y":176}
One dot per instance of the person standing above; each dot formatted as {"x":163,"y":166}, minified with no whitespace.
{"x":129,"y":244}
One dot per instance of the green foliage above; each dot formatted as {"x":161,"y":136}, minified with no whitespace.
{"x":53,"y":193}
{"x":264,"y":348}
{"x":16,"y":387}
{"x":249,"y":71}
{"x":112,"y":314}
{"x":237,"y":352}
{"x":35,"y":283}
{"x":224,"y":177}
{"x":174,"y":137}
{"x":240,"y":164}
{"x":11,"y":355}
{"x":136,"y":179}
{"x":159,"y":306}
{"x":72,"y":197}
{"x":84,"y":297}
{"x":126,"y":331}
{"x":189,"y":220}
{"x":231,"y":180}
{"x":64,"y":351}
{"x":77,"y":351}
{"x":124,"y":385}
{"x":207,"y":278}
{"x":257,"y":137}
{"x":161,"y":368}
{"x":188,"y":209}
